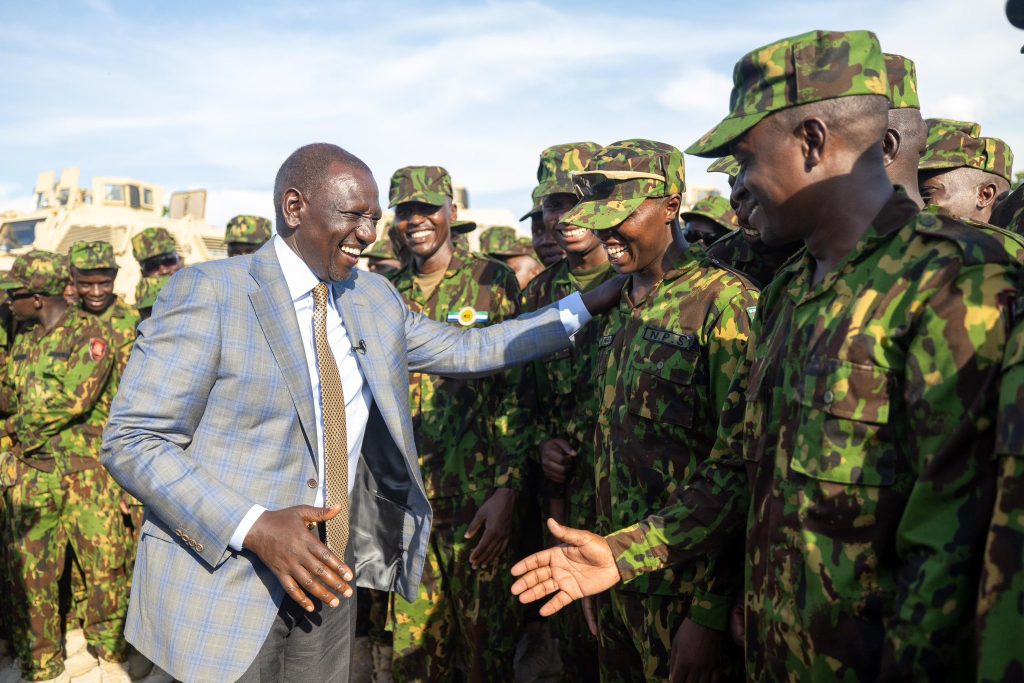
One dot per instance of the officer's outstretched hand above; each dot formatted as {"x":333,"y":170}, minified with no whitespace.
{"x":605,"y":296}
{"x":582,"y":565}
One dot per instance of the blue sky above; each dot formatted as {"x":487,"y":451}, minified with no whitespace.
{"x":215,"y":95}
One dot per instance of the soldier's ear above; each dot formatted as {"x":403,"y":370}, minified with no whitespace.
{"x":987,"y":193}
{"x":292,"y":204}
{"x":814,"y":138}
{"x":890,"y":146}
{"x":454,"y":211}
{"x":672,"y":204}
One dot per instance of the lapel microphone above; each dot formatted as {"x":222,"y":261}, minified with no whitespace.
{"x":361,"y":346}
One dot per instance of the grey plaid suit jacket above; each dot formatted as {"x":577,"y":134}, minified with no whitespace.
{"x":215,"y":413}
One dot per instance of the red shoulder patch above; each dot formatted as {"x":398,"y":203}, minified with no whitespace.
{"x":97,"y":349}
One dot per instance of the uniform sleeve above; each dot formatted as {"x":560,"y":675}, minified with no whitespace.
{"x":59,"y":395}
{"x":509,"y":446}
{"x":714,"y":596}
{"x":950,"y":387}
{"x":1001,"y":593}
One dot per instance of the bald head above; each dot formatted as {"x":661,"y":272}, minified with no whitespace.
{"x":905,"y":142}
{"x":858,"y":122}
{"x":308,"y":168}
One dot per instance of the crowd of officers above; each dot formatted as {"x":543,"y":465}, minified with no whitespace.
{"x":828,"y":462}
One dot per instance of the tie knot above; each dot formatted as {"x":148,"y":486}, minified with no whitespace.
{"x":320,"y":295}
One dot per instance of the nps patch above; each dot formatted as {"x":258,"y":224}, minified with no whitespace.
{"x":686,"y":342}
{"x":467,"y":315}
{"x":97,"y":349}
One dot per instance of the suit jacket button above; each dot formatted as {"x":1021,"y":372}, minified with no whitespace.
{"x":199,"y":547}
{"x":178,"y":532}
{"x":311,"y":483}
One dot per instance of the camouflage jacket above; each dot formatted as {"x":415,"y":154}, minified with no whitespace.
{"x":61,"y":392}
{"x":662,"y":375}
{"x":1001,"y":595}
{"x":556,"y":396}
{"x":733,"y":251}
{"x":460,"y":425}
{"x":855,"y":449}
{"x":123,"y":320}
{"x":1011,"y":241}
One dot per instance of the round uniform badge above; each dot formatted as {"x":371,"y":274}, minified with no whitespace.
{"x":467,"y":316}
{"x":97,"y":349}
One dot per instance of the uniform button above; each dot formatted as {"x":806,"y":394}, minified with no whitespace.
{"x":829,"y":396}
{"x":311,"y":483}
{"x":661,"y":364}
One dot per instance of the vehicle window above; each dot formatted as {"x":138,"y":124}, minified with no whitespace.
{"x":113,"y":194}
{"x":18,"y":233}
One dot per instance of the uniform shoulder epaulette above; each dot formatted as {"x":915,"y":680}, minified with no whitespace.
{"x":975,"y":245}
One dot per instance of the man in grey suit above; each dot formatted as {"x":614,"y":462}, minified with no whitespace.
{"x":263,"y":420}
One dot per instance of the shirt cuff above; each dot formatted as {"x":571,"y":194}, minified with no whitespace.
{"x":710,"y":610}
{"x":573,"y":312}
{"x":242,"y":530}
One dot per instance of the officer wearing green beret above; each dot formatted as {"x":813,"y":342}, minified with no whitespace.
{"x":156,"y":252}
{"x":58,"y":498}
{"x":245,"y":234}
{"x":963,"y":172}
{"x":501,"y":242}
{"x":464,"y":612}
{"x":858,"y":466}
{"x":709,"y":220}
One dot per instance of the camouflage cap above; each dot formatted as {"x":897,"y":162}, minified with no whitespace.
{"x":501,"y":240}
{"x":428,"y":184}
{"x":554,"y":173}
{"x":995,"y":156}
{"x":148,"y":290}
{"x":40,"y":272}
{"x":537,"y":207}
{"x":815,"y":66}
{"x":97,"y":255}
{"x":715,"y":208}
{"x":463,"y":227}
{"x":153,"y":242}
{"x":727,"y":165}
{"x":243,"y":229}
{"x":901,"y":74}
{"x":951,"y":144}
{"x":381,"y":249}
{"x":620,"y":177}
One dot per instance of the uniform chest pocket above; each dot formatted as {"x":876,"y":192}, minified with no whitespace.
{"x":662,"y":384}
{"x":844,"y":434}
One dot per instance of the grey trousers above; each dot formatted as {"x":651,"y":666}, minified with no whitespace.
{"x":303,"y":647}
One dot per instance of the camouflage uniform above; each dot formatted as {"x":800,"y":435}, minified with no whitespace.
{"x":122,"y":318}
{"x":662,"y":373}
{"x":56,"y":492}
{"x":715,"y":208}
{"x":243,"y":229}
{"x":557,"y":398}
{"x":153,"y":242}
{"x":464,"y":617}
{"x":501,"y":240}
{"x":958,"y":144}
{"x":1001,"y":596}
{"x":855,"y":442}
{"x":148,"y":289}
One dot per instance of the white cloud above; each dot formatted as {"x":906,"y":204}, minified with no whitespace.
{"x":698,"y":91}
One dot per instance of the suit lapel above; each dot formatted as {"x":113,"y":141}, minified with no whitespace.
{"x":358,"y":318}
{"x":275,"y":311}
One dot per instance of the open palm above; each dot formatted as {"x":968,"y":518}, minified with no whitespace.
{"x":582,"y":565}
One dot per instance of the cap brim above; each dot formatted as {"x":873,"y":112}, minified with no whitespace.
{"x":940,"y":165}
{"x":11,"y":284}
{"x":713,"y":219}
{"x":716,"y":142}
{"x":535,"y":210}
{"x":432,"y":198}
{"x":602,"y":214}
{"x":463,"y":227}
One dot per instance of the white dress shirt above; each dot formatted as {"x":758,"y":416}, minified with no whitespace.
{"x":301,"y":281}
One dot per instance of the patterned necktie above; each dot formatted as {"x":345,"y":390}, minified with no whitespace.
{"x":332,"y":411}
